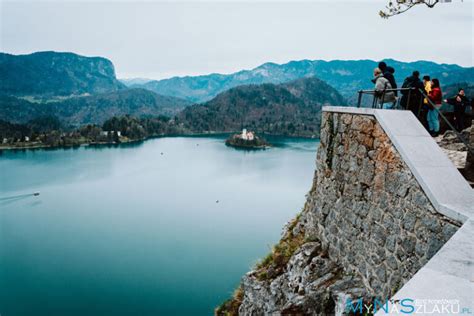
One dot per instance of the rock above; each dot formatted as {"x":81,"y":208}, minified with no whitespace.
{"x":408,"y":244}
{"x":390,"y":243}
{"x":431,"y":223}
{"x":454,"y":148}
{"x":392,"y":262}
{"x":433,"y":246}
{"x":409,"y":221}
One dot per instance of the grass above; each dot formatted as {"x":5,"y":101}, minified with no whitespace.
{"x":231,"y":306}
{"x":281,"y":253}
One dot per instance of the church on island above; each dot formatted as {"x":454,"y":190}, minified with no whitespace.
{"x":247,"y":139}
{"x":247,"y":135}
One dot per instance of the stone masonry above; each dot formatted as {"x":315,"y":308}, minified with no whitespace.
{"x":470,"y":155}
{"x":368,"y":208}
{"x":368,"y":226}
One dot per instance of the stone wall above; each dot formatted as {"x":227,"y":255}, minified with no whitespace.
{"x":367,"y":207}
{"x":367,"y":223}
{"x":470,"y":155}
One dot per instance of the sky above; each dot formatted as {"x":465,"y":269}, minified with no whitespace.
{"x":161,"y":39}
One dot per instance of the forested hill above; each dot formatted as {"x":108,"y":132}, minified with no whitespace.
{"x":347,"y":76}
{"x":291,"y":109}
{"x":56,"y":74}
{"x":75,"y":89}
{"x":92,"y":109}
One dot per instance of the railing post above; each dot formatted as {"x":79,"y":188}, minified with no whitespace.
{"x":359,"y":99}
{"x":408,"y":99}
{"x":420,"y":105}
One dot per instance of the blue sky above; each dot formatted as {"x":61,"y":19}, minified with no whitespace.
{"x":160,"y":39}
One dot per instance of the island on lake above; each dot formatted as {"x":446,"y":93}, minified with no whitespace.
{"x":247,"y":139}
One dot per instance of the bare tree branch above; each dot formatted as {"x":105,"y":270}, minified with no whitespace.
{"x":395,"y":7}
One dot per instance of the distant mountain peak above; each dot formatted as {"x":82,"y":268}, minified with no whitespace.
{"x":56,"y":74}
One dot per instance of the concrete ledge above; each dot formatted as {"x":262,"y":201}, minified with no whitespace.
{"x":347,"y":109}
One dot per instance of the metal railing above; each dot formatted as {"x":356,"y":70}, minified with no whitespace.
{"x":378,"y":98}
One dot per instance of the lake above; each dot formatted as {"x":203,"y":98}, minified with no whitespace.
{"x":164,"y":227}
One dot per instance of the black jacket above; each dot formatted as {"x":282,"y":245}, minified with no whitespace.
{"x":412,"y":82}
{"x":391,"y":79}
{"x":459,"y":105}
{"x":411,"y":100}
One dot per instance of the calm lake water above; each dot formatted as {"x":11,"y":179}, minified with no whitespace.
{"x":137,"y":229}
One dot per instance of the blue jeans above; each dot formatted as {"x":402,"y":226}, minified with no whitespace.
{"x":433,"y":120}
{"x":388,"y":105}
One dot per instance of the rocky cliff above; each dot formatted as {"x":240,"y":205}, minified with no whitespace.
{"x":56,"y":74}
{"x":366,"y":228}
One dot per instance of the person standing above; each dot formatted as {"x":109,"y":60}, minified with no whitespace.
{"x":427,"y":85}
{"x":388,"y":72}
{"x":411,"y":99}
{"x":391,"y":77}
{"x":426,"y":105}
{"x":436,"y":98}
{"x":386,"y":98}
{"x":460,"y":103}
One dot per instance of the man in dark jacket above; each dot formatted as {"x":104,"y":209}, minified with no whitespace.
{"x":388,"y":74}
{"x":412,"y":100}
{"x":460,"y":103}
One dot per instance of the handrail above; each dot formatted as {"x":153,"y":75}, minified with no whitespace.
{"x":391,"y":89}
{"x":373,"y":92}
{"x":423,"y":97}
{"x":381,"y":97}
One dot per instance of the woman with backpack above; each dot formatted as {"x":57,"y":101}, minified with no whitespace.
{"x":436,"y":98}
{"x":387,"y":99}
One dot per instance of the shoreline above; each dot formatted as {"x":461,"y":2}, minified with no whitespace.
{"x":103,"y":144}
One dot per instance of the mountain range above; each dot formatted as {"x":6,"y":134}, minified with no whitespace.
{"x":346,"y":76}
{"x":277,"y":99}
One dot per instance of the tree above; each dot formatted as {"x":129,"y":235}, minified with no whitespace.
{"x":395,"y":7}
